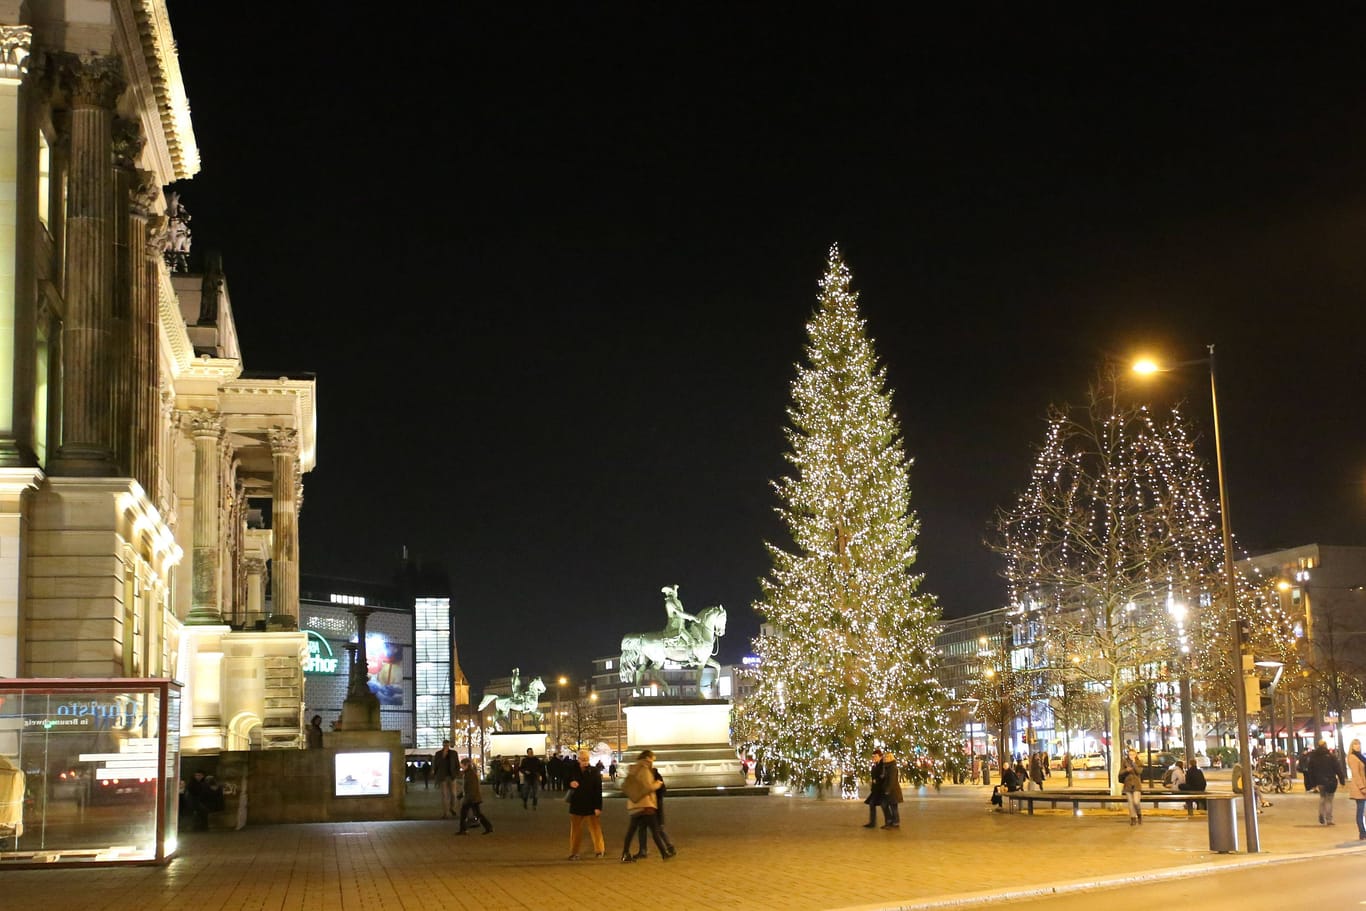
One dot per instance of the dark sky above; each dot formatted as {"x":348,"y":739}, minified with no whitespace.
{"x":552,"y":266}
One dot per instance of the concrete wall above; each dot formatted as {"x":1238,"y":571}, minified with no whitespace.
{"x":286,"y":786}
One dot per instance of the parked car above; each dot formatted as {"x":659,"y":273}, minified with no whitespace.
{"x":1155,"y":764}
{"x":1087,"y":761}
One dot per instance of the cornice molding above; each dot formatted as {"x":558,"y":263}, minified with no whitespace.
{"x":157,"y":69}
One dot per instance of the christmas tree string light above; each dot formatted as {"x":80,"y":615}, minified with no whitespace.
{"x":852,"y":662}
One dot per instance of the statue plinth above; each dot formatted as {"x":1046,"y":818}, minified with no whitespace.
{"x":514,"y":744}
{"x":690,"y":739}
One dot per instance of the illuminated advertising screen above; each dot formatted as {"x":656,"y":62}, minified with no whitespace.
{"x":362,"y":775}
{"x":384,"y":664}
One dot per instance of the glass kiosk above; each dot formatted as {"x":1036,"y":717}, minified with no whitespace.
{"x":89,"y":771}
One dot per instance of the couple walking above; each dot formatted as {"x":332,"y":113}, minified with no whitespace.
{"x":644,"y":790}
{"x":885,"y":791}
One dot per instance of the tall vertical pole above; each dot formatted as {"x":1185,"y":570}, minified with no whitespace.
{"x":1239,"y":689}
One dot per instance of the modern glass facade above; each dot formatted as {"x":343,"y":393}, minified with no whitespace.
{"x":434,"y":671}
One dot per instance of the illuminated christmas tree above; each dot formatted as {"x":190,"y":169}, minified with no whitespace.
{"x":850,"y":663}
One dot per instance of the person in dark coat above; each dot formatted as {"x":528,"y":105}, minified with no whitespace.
{"x":444,"y":768}
{"x":891,"y":792}
{"x":533,"y":773}
{"x":659,"y":818}
{"x":471,"y":798}
{"x":585,"y":806}
{"x":1326,"y":773}
{"x":875,"y":791}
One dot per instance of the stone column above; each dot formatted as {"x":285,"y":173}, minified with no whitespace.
{"x":207,"y":430}
{"x":255,"y":568}
{"x":93,"y":85}
{"x":144,"y":366}
{"x":284,"y":574}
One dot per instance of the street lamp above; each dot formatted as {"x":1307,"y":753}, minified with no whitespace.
{"x":559,"y":682}
{"x":1239,"y":689}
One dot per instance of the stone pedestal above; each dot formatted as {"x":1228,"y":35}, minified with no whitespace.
{"x":514,"y":744}
{"x":690,"y":740}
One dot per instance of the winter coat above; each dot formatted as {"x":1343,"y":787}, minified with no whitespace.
{"x":586,"y":799}
{"x":1130,"y":776}
{"x":648,"y":802}
{"x":877,"y":775}
{"x":891,"y":779}
{"x":1356,"y":787}
{"x":471,"y":785}
{"x":1324,"y":770}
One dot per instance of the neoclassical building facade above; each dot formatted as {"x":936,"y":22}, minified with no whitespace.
{"x":149,"y":485}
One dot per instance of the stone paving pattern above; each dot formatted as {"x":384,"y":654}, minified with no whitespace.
{"x":733,"y":852}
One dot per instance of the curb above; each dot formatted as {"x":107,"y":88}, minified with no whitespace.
{"x":972,"y":899}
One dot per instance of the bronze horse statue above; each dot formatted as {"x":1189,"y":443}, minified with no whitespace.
{"x":694,"y":646}
{"x":524,"y":701}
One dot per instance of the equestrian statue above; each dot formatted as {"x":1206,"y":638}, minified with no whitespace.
{"x":523,"y":701}
{"x":686,"y":640}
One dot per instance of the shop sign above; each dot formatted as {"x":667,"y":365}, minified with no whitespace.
{"x":320,"y":659}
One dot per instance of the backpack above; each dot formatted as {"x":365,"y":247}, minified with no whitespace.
{"x":636,"y":784}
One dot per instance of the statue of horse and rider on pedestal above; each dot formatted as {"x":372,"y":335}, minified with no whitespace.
{"x":523,"y":701}
{"x":688,"y":641}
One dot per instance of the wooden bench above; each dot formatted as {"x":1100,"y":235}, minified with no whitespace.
{"x":1102,"y":798}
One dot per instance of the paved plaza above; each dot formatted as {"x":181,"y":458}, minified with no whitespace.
{"x":743,"y":852}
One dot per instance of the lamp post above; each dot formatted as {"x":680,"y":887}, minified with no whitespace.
{"x":1239,"y":687}
{"x":559,"y":683}
{"x":1280,"y":667}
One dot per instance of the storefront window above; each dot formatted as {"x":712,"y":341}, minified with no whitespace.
{"x":88,"y":771}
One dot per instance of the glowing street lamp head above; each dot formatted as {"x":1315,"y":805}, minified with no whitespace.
{"x":1146,"y":366}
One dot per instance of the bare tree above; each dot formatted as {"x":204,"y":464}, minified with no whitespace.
{"x":1003,"y":692}
{"x":1112,"y":533}
{"x":582,"y":723}
{"x":1335,"y":653}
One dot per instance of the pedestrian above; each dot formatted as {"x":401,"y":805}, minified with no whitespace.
{"x":1037,"y":763}
{"x":1132,"y":780}
{"x":471,"y":798}
{"x":659,"y":816}
{"x":891,"y":791}
{"x":533,"y":771}
{"x":640,"y":786}
{"x":204,"y":796}
{"x":1194,"y":780}
{"x":876,"y":790}
{"x":1175,"y":776}
{"x":1327,"y":773}
{"x":444,"y":770}
{"x":585,"y":806}
{"x":315,"y":732}
{"x":1356,"y":784}
{"x":427,"y":775}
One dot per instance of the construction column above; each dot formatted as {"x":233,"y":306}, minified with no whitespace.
{"x":284,"y":522}
{"x":93,"y":85}
{"x":207,"y":430}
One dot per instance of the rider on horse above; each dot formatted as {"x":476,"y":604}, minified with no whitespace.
{"x":675,"y":630}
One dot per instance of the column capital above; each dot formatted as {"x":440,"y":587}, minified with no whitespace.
{"x":284,"y":441}
{"x":203,"y":424}
{"x":93,"y":81}
{"x":127,"y":142}
{"x":16,"y":41}
{"x":144,"y":194}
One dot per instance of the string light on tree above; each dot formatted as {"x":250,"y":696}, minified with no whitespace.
{"x":852,"y":665}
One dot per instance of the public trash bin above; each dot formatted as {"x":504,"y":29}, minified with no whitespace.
{"x":1223,"y":823}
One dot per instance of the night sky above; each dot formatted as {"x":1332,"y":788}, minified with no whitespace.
{"x":552,"y":265}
